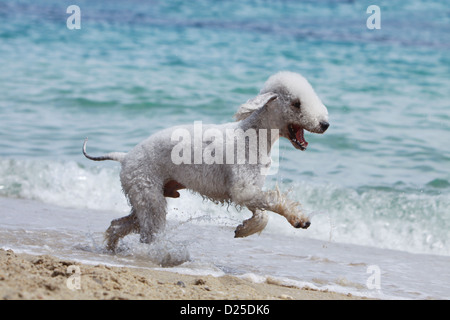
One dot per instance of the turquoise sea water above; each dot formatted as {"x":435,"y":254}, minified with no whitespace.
{"x":379,"y":177}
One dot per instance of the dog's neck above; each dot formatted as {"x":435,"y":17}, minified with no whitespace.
{"x":258,"y":120}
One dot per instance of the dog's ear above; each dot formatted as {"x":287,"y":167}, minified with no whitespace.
{"x":254,"y":104}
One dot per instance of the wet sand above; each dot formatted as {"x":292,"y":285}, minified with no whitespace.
{"x":33,"y":277}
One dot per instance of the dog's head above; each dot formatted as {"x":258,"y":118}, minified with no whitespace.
{"x":293,"y":106}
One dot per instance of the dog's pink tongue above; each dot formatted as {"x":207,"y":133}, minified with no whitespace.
{"x":300,"y":138}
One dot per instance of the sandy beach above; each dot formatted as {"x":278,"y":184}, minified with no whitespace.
{"x":31,"y":277}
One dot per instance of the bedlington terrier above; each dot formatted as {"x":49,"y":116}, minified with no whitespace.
{"x":163,"y":163}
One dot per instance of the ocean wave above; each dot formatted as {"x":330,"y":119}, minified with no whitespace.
{"x":67,"y":184}
{"x":389,"y":217}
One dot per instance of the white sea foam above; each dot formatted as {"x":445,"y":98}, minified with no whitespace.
{"x":392,"y":219}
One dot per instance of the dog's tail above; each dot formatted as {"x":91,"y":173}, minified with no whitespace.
{"x":116,"y":156}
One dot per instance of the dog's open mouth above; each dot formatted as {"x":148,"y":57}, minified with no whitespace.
{"x":296,"y":135}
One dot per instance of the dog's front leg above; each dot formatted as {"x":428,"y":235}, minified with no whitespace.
{"x":275,"y":201}
{"x":255,"y":224}
{"x":291,"y":210}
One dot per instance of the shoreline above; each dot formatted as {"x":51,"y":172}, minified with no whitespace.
{"x":44,"y":277}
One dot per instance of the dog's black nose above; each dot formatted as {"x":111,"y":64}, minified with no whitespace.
{"x":324,"y":125}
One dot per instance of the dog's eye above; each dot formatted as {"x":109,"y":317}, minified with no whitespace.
{"x":296,"y":104}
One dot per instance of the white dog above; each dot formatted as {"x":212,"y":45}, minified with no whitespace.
{"x":286,"y":106}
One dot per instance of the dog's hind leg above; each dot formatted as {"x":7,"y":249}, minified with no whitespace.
{"x":150,"y":205}
{"x":255,"y":224}
{"x":119,"y":228}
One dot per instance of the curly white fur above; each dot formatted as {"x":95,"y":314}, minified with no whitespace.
{"x":287,"y":103}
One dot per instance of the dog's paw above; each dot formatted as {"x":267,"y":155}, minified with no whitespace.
{"x":298,"y":222}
